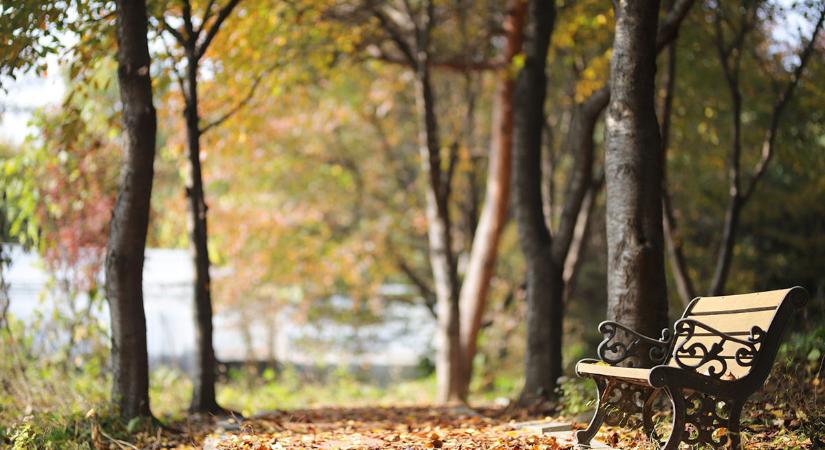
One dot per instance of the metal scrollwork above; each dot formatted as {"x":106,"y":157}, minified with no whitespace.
{"x":625,"y":403}
{"x":710,"y":358}
{"x":618,"y":347}
{"x":706,"y":420}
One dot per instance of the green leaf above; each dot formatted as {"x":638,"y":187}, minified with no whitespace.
{"x":134,"y":425}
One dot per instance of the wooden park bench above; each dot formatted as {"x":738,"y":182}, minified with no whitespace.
{"x":720,"y":352}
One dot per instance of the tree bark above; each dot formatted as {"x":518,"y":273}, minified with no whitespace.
{"x":637,"y":292}
{"x":484,"y":250}
{"x":675,"y":252}
{"x":439,"y":233}
{"x":203,"y":385}
{"x":130,"y":218}
{"x":416,"y":53}
{"x":544,"y":276}
{"x":578,"y":248}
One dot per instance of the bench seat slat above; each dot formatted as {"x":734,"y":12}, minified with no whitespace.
{"x":629,"y":373}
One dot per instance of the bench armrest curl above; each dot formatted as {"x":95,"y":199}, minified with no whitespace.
{"x":613,"y":349}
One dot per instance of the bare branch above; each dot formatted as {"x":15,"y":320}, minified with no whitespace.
{"x":424,"y":289}
{"x":174,"y":32}
{"x":216,"y":26}
{"x":175,"y":72}
{"x":243,"y":102}
{"x":779,"y":106}
{"x":396,"y":35}
{"x":669,"y":28}
{"x":411,"y":13}
{"x":447,"y":180}
{"x":207,"y":14}
{"x":575,"y":256}
{"x":457,"y":64}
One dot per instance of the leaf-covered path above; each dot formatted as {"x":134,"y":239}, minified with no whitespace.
{"x":395,"y":428}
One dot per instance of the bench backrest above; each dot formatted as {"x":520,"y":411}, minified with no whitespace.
{"x":751,"y":322}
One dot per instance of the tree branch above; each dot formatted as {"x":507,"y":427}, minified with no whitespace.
{"x":174,"y":32}
{"x":426,"y":291}
{"x":243,"y":102}
{"x":213,"y":30}
{"x":779,"y":106}
{"x":396,"y":35}
{"x":678,"y":266}
{"x":575,"y":255}
{"x":187,"y":23}
{"x":207,"y":14}
{"x":456,"y":64}
{"x":669,"y":28}
{"x":175,"y":72}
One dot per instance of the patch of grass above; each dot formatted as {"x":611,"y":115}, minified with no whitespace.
{"x":578,"y":396}
{"x":290,"y":389}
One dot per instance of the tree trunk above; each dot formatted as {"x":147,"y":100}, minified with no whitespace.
{"x":203,"y":385}
{"x":130,"y":218}
{"x":636,"y":286}
{"x":578,"y":248}
{"x":675,"y":252}
{"x":484,"y":251}
{"x":544,"y":276}
{"x":442,"y":260}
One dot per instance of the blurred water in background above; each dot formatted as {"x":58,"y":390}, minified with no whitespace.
{"x":381,"y":345}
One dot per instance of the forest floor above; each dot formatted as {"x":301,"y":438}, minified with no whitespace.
{"x":422,"y":427}
{"x":343,"y":412}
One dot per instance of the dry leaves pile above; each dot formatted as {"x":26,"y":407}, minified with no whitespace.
{"x":379,"y":428}
{"x":431,"y":427}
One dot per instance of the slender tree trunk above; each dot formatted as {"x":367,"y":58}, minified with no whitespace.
{"x":544,"y":276}
{"x":484,"y":251}
{"x":578,"y":248}
{"x":130,"y":218}
{"x":738,"y":195}
{"x":675,"y":252}
{"x":442,"y":260}
{"x":637,"y":292}
{"x":203,"y":394}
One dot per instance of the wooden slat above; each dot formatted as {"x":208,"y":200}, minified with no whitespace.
{"x":733,"y":311}
{"x":737,"y":322}
{"x":741,"y":301}
{"x":620,"y":372}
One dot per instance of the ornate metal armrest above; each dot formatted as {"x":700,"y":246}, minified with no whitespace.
{"x":614,"y":350}
{"x":690,"y":349}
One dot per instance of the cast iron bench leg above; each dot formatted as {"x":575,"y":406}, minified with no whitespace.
{"x":677,"y":401}
{"x":647,"y":414}
{"x":733,"y":424}
{"x":603,"y":387}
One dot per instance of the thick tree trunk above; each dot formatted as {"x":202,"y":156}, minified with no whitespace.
{"x":203,"y":385}
{"x":637,"y":292}
{"x":130,"y":218}
{"x":442,"y":260}
{"x":484,"y":251}
{"x":544,"y":276}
